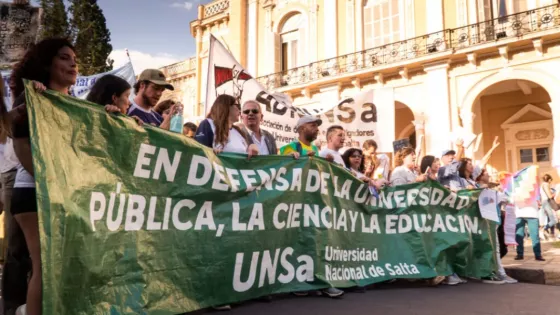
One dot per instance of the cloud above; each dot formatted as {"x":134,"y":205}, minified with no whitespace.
{"x":184,"y":5}
{"x":141,"y":60}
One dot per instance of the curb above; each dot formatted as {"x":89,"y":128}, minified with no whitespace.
{"x":534,"y":276}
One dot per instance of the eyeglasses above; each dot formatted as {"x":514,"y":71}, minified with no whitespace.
{"x":356,"y":156}
{"x":236,"y":105}
{"x":254,"y":111}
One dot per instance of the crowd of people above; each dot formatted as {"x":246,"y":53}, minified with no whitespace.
{"x":51,"y":64}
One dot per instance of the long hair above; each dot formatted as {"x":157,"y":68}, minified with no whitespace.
{"x":402,"y":154}
{"x":36,"y":63}
{"x":106,"y":87}
{"x":463,"y":168}
{"x":426,"y":162}
{"x":219,"y":113}
{"x":346,"y":158}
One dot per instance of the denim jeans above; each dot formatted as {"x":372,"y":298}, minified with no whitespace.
{"x":533,"y":224}
{"x":550,"y":214}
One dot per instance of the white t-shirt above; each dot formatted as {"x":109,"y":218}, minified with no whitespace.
{"x":382,"y":170}
{"x":23,"y":178}
{"x":236,"y":142}
{"x":337,"y":157}
{"x":7,"y":162}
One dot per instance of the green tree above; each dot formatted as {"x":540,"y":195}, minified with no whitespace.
{"x":54,"y":19}
{"x":91,"y":37}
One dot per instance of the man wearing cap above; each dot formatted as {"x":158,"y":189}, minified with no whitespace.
{"x":307,"y":128}
{"x":448,"y":173}
{"x":148,"y":90}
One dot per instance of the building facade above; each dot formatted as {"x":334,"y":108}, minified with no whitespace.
{"x":182,"y":75}
{"x":488,"y":66}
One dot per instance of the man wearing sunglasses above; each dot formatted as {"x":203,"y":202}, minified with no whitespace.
{"x":252,"y":117}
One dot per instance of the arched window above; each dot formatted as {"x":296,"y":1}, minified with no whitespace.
{"x":382,"y":23}
{"x":291,"y":42}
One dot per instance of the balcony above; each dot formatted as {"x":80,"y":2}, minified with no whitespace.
{"x":179,"y":68}
{"x":215,"y":8}
{"x":410,"y":50}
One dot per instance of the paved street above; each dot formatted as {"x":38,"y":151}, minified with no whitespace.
{"x":468,"y":299}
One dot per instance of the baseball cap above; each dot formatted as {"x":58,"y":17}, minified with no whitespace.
{"x":156,"y":77}
{"x":447,"y":152}
{"x":308,"y":119}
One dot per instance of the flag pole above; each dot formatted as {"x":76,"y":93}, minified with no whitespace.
{"x":130,"y":60}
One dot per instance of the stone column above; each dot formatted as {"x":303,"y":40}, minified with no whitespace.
{"x":467,"y":117}
{"x":420,"y":131}
{"x":438,"y":111}
{"x":252,"y":52}
{"x":269,"y":42}
{"x":556,"y":142}
{"x":330,"y":29}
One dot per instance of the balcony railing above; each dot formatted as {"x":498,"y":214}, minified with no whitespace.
{"x":215,"y":7}
{"x":179,"y":68}
{"x":515,"y":25}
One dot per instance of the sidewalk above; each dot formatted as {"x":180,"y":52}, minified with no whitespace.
{"x":531,"y":271}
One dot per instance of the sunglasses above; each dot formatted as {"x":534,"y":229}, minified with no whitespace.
{"x":237,"y":105}
{"x":254,"y":111}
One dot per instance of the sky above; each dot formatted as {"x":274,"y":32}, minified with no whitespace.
{"x":156,"y":32}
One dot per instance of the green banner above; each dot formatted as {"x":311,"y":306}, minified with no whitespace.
{"x":138,"y":220}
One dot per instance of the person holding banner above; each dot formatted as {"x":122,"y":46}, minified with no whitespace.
{"x":405,"y":172}
{"x":219,"y":131}
{"x":51,"y":64}
{"x":335,"y":142}
{"x":430,"y":166}
{"x":307,"y":128}
{"x":149,"y":88}
{"x":483,"y":180}
{"x":252,"y":116}
{"x":354,"y":161}
{"x":111,"y":90}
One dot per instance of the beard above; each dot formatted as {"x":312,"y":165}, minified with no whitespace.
{"x":147,"y":100}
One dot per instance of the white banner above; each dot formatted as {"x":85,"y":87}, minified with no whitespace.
{"x":83,"y":84}
{"x":357,"y":115}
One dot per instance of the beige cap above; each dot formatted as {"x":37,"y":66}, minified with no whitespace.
{"x":156,"y":77}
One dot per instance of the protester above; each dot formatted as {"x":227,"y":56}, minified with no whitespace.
{"x":164,"y":107}
{"x":17,"y":263}
{"x":218,"y":131}
{"x":466,"y":180}
{"x":148,"y":89}
{"x":527,"y":214}
{"x":252,"y":118}
{"x":430,"y":166}
{"x":111,"y":90}
{"x":335,"y":142}
{"x":354,"y":162}
{"x":307,"y":128}
{"x":548,"y":204}
{"x":51,"y":64}
{"x":189,"y":129}
{"x":376,"y":165}
{"x":405,"y":173}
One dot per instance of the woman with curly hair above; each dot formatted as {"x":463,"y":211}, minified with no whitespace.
{"x":49,"y":64}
